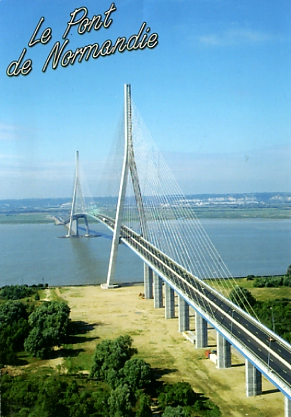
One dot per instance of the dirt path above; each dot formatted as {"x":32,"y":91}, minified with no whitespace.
{"x":122,"y":311}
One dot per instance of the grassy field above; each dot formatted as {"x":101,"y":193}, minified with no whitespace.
{"x":261,"y":294}
{"x":243,"y":213}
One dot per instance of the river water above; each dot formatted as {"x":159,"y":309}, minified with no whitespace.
{"x":34,"y":253}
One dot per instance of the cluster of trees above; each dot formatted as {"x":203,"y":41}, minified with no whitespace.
{"x":129,"y":379}
{"x":36,"y":329}
{"x":49,"y":327}
{"x":119,"y":385}
{"x":133,"y":385}
{"x":16,"y":292}
{"x":34,"y":395}
{"x":272,"y":282}
{"x":275,"y":314}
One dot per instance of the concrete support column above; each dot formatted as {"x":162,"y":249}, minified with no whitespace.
{"x":148,"y":282}
{"x":201,"y":331}
{"x":169,"y":302}
{"x":223,"y":352}
{"x":158,"y":291}
{"x":183,"y":309}
{"x":287,"y":407}
{"x":253,"y":380}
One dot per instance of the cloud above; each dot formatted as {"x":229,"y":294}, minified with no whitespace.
{"x":234,"y":37}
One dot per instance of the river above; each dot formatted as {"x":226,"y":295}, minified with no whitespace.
{"x":34,"y":253}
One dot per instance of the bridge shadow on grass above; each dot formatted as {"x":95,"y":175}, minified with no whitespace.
{"x":270,"y":391}
{"x":237,"y":365}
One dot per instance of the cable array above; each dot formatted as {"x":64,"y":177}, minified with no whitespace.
{"x":173,"y":226}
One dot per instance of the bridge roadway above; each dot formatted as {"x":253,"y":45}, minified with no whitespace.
{"x":267,"y":351}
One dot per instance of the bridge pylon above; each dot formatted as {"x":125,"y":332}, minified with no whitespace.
{"x":73,"y":224}
{"x":129,"y":167}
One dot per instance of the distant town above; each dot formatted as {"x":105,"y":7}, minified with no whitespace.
{"x":199,"y":200}
{"x":232,"y":205}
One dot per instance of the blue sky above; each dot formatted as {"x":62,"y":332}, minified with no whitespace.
{"x":214,"y":93}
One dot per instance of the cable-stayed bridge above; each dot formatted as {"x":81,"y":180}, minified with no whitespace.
{"x":155,"y":221}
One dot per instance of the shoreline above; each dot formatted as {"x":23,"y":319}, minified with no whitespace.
{"x":137,"y":283}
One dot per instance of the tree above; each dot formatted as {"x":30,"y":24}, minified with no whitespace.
{"x":110,"y":356}
{"x":144,"y":409}
{"x":49,"y":327}
{"x":121,"y":402}
{"x":13,"y":330}
{"x":242,"y":297}
{"x":12,"y":311}
{"x":50,"y":399}
{"x":136,"y":373}
{"x":180,"y":393}
{"x":288,"y":272}
{"x":100,"y":398}
{"x":176,"y":412}
{"x":18,"y":393}
{"x":250,"y":277}
{"x":7,"y":355}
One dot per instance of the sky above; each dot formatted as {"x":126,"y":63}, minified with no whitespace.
{"x":214,"y":93}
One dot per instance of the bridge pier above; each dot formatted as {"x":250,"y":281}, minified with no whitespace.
{"x":73,"y":230}
{"x":169,"y":302}
{"x":223,"y":352}
{"x":201,"y":331}
{"x":158,"y":291}
{"x":287,"y":408}
{"x":87,"y":226}
{"x":148,"y":282}
{"x":253,"y":380}
{"x":183,"y":315}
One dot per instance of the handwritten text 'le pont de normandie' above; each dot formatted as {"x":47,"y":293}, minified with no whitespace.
{"x":61,"y":54}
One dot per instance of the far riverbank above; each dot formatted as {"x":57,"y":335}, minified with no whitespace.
{"x":210,"y":212}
